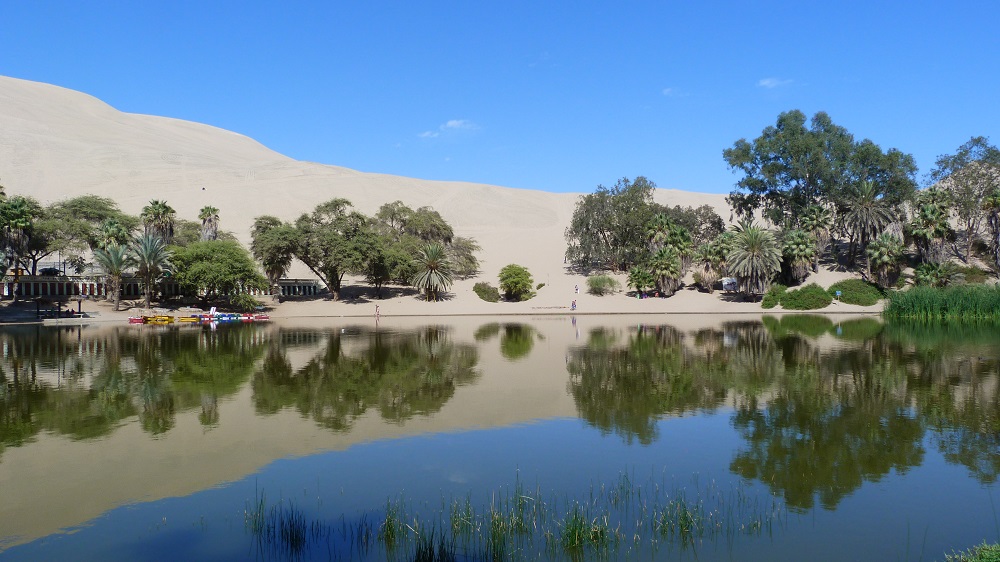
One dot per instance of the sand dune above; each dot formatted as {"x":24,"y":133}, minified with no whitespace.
{"x":56,"y":143}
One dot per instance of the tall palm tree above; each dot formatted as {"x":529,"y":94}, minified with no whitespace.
{"x":433,"y":271}
{"x":884,"y":254}
{"x":931,"y":225}
{"x":991,"y":204}
{"x":115,"y":259}
{"x":866,"y":214}
{"x":152,"y":260}
{"x":754,"y":258}
{"x":158,"y":218}
{"x":817,"y":221}
{"x":708,"y":260}
{"x":209,"y":217}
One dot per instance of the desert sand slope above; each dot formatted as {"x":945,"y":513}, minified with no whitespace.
{"x":57,"y":143}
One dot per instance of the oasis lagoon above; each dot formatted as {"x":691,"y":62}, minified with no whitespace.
{"x":546,"y":438}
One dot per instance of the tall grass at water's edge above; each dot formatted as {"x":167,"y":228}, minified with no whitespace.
{"x":520,"y":523}
{"x":963,"y":303}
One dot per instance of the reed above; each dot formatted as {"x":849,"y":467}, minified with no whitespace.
{"x":962,"y":303}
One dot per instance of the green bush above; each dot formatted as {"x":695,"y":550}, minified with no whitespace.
{"x":973,"y":275}
{"x":539,"y":286}
{"x":773,"y":296}
{"x":244,"y":302}
{"x":516,"y":282}
{"x":982,"y":553}
{"x":810,"y":297}
{"x":487,"y":292}
{"x":602,"y":284}
{"x":856,"y":291}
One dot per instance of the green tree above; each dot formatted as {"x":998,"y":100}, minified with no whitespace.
{"x":791,"y":167}
{"x":709,"y":259}
{"x":152,"y":259}
{"x":754,"y":259}
{"x":209,"y":217}
{"x":798,"y":250}
{"x":115,"y":259}
{"x":817,"y":221}
{"x":516,"y":282}
{"x":462,"y":254}
{"x":216,"y":268}
{"x":884,"y":255}
{"x":665,"y":266}
{"x":433,"y":271}
{"x":114,"y":231}
{"x":158,"y":218}
{"x":865,"y":213}
{"x":991,"y":205}
{"x":608,"y":227}
{"x":930,"y":225}
{"x":640,"y":278}
{"x":273,"y":244}
{"x":332,"y":241}
{"x":969,"y":176}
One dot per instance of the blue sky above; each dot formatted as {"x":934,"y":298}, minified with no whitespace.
{"x":557,"y":96}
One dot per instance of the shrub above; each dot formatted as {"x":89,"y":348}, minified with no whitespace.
{"x":516,"y":282}
{"x":773,"y":296}
{"x":981,"y":553}
{"x":856,"y":291}
{"x":973,"y":275}
{"x":539,"y":286}
{"x":601,"y":285}
{"x":244,"y":302}
{"x":487,"y":292}
{"x":810,"y":297}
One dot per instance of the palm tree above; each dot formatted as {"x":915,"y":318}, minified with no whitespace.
{"x":152,"y":260}
{"x":640,"y":278}
{"x":817,"y":221}
{"x":884,"y":254}
{"x":115,"y":259}
{"x":158,"y":218}
{"x":665,"y":266}
{"x":209,"y":217}
{"x":754,"y":259}
{"x":866,"y":214}
{"x":798,"y":250}
{"x":112,"y":231}
{"x":433,"y":271}
{"x":991,"y":204}
{"x":930,"y":226}
{"x":708,"y":262}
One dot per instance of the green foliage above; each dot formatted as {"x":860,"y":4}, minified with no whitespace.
{"x":539,"y":286}
{"x":158,"y":219}
{"x":152,"y":258}
{"x":980,"y":553}
{"x":273,"y":246}
{"x":608,"y":228}
{"x":601,"y":285}
{"x":754,"y":258}
{"x":433,"y":271}
{"x":487,"y":292}
{"x":856,"y":291}
{"x":810,"y":297}
{"x":930,"y":225}
{"x":666,"y":266}
{"x":809,"y":325}
{"x":462,"y":255}
{"x":972,"y":274}
{"x":772,"y":297}
{"x":958,"y":303}
{"x":865,"y":212}
{"x":884,"y":256}
{"x":641,"y":278}
{"x":859,"y":329}
{"x":332,"y":241}
{"x":934,"y":274}
{"x":216,"y":268}
{"x":115,"y":259}
{"x":970,"y":176}
{"x":798,"y":249}
{"x":791,"y":167}
{"x":209,"y":217}
{"x":243,"y":302}
{"x":516,"y":283}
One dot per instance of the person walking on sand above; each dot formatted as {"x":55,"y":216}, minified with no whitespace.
{"x":576,"y":289}
{"x":573,"y":306}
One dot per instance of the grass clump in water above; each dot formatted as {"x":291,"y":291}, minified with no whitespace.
{"x":961,"y":303}
{"x":981,"y":553}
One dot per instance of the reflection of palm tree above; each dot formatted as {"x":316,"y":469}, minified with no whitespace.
{"x":433,"y":271}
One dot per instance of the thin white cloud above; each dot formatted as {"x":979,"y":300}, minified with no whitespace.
{"x":669,"y":91}
{"x":771,"y":83}
{"x":450,"y":125}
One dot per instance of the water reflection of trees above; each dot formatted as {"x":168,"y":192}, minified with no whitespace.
{"x":399,"y":374}
{"x":70,"y":381}
{"x":822,"y":406}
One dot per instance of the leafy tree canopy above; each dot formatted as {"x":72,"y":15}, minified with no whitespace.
{"x":216,"y":268}
{"x":608,"y":228}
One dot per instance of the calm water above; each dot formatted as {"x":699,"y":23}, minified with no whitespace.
{"x":791,"y":439}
